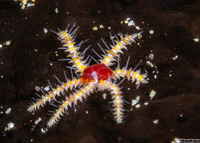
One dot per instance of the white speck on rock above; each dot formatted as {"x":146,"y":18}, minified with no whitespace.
{"x":9,"y":126}
{"x":152,"y":94}
{"x":104,"y":96}
{"x":131,"y":23}
{"x":196,"y":40}
{"x":37,"y":121}
{"x":56,"y":10}
{"x":44,"y":130}
{"x":45,"y":30}
{"x":135,"y":101}
{"x":151,"y":32}
{"x":8,"y":111}
{"x":137,"y":106}
{"x":155,"y":121}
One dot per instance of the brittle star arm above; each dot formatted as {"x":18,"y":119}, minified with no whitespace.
{"x":52,"y":94}
{"x":67,"y":37}
{"x":83,"y":92}
{"x":117,"y":99}
{"x":131,"y":74}
{"x":117,"y":48}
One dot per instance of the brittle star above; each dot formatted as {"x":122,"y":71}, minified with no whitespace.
{"x":93,"y":78}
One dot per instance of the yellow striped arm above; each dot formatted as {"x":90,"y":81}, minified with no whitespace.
{"x":117,"y":103}
{"x":52,"y":94}
{"x":116,"y":49}
{"x":117,"y":99}
{"x":130,"y":74}
{"x":69,"y":45}
{"x":72,"y":99}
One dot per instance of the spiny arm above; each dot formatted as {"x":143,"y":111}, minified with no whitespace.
{"x":131,"y":74}
{"x":117,"y":48}
{"x":52,"y":94}
{"x":117,"y":99}
{"x":67,"y":37}
{"x":69,"y":101}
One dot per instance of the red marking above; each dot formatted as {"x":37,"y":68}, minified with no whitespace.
{"x":103,"y":72}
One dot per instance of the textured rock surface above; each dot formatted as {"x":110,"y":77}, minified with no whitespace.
{"x":27,"y":63}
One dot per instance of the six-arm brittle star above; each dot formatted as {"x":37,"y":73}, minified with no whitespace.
{"x":95,"y":77}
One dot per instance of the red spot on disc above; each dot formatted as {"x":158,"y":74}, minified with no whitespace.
{"x":103,"y":72}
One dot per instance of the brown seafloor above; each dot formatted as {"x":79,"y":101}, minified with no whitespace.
{"x":25,"y":63}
